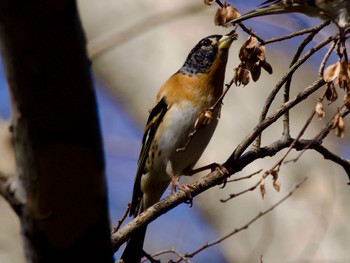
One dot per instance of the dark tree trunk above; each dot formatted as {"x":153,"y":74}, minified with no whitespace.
{"x":56,"y":132}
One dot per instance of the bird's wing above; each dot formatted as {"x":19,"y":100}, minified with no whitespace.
{"x":155,"y":118}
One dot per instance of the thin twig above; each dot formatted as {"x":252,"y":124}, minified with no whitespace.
{"x":219,"y":3}
{"x":297,"y":33}
{"x":170,"y":251}
{"x":105,"y":42}
{"x":271,"y":119}
{"x":279,"y":163}
{"x":250,"y":189}
{"x":289,"y":73}
{"x":121,"y":220}
{"x":244,"y":177}
{"x":246,"y":226}
{"x":150,"y":258}
{"x":301,"y":47}
{"x":321,"y":135}
{"x":250,"y":32}
{"x":326,"y":57}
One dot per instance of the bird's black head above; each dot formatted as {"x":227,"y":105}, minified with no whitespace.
{"x":203,"y":55}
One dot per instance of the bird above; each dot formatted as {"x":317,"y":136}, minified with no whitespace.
{"x":195,"y":87}
{"x":336,"y":10}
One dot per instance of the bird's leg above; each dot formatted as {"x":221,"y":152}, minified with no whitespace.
{"x":175,"y":184}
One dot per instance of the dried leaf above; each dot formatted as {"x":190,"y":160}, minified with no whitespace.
{"x":232,"y":13}
{"x":208,"y":114}
{"x":331,"y":93}
{"x":331,"y":72}
{"x":336,"y":120}
{"x":199,"y":121}
{"x":344,"y":78}
{"x":319,"y":110}
{"x":241,"y":76}
{"x":260,"y":52}
{"x":340,"y":128}
{"x":262,"y":188}
{"x":256,"y":72}
{"x":220,"y":16}
{"x":251,"y":42}
{"x":277,"y":185}
{"x":265,"y":65}
{"x":347,"y":101}
{"x":225,"y":14}
{"x":274,"y":174}
{"x":253,"y":57}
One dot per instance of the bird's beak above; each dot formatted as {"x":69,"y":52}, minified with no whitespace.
{"x":226,"y":41}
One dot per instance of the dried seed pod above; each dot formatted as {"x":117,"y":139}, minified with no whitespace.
{"x":319,"y":110}
{"x":225,"y":14}
{"x":262,"y":188}
{"x":241,"y":76}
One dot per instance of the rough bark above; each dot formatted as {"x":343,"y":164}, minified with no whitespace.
{"x":56,"y":132}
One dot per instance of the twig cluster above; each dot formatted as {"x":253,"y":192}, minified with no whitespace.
{"x":253,"y":59}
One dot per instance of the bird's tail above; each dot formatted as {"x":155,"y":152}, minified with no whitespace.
{"x":134,"y":248}
{"x":269,"y":10}
{"x":280,"y":7}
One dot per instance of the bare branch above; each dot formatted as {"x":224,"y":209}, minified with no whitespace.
{"x":244,"y":177}
{"x":301,"y":47}
{"x":278,"y":164}
{"x":246,"y":226}
{"x":105,"y":42}
{"x":271,"y":119}
{"x":327,"y":154}
{"x":326,"y":57}
{"x":317,"y":140}
{"x":287,"y":76}
{"x":313,"y":30}
{"x":121,"y":220}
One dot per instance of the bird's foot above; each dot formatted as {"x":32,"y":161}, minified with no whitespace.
{"x":176,"y":185}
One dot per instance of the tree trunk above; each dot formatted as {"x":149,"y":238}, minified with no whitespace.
{"x":56,"y":132}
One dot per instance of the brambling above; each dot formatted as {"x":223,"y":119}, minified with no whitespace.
{"x":191,"y":90}
{"x":337,"y":10}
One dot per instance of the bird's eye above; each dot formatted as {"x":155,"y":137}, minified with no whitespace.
{"x":206,"y":42}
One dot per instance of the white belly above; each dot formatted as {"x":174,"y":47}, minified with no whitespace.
{"x":180,"y":123}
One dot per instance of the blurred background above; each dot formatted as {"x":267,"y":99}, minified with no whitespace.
{"x":134,"y":47}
